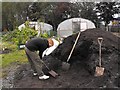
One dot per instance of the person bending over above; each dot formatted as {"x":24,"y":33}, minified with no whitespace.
{"x":35,"y":60}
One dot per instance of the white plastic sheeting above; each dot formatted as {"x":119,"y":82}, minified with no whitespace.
{"x":21,"y":26}
{"x":43,"y":26}
{"x":69,"y":26}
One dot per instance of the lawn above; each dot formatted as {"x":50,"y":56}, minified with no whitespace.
{"x":17,"y":57}
{"x":14,"y":56}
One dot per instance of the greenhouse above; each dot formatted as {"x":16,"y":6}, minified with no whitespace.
{"x":73,"y":25}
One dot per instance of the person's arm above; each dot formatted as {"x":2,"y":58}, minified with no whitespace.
{"x":44,"y":53}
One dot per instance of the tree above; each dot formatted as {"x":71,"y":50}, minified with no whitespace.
{"x":82,"y":10}
{"x":87,"y":11}
{"x":52,"y":12}
{"x":106,"y":11}
{"x":36,"y":10}
{"x":13,"y":14}
{"x":59,"y":13}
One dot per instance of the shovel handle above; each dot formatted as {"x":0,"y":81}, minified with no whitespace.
{"x":45,"y":65}
{"x":100,"y":39}
{"x":73,"y":46}
{"x":100,"y":55}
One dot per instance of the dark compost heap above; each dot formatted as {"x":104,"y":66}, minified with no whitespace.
{"x":83,"y":62}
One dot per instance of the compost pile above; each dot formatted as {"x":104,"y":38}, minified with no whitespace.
{"x":83,"y":62}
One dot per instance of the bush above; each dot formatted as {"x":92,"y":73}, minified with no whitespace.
{"x":48,"y":34}
{"x":44,"y":35}
{"x":53,"y":33}
{"x":20,"y":37}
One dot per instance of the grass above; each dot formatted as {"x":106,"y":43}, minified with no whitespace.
{"x":12,"y":60}
{"x":15,"y":55}
{"x":8,"y":45}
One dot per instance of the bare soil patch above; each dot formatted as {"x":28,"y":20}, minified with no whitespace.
{"x":83,"y":62}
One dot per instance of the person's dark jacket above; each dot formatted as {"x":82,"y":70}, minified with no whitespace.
{"x":37,"y":44}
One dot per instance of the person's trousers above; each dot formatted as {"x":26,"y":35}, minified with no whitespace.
{"x":35,"y":61}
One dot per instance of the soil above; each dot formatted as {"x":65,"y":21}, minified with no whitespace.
{"x":83,"y":62}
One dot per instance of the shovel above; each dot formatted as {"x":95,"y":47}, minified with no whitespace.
{"x":66,"y":65}
{"x":99,"y":70}
{"x":51,"y":72}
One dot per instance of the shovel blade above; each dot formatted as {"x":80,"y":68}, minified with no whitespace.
{"x":65,"y":66}
{"x":53,"y":73}
{"x":99,"y":71}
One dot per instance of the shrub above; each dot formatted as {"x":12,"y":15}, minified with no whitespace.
{"x":47,"y":34}
{"x":44,"y":35}
{"x":20,"y":36}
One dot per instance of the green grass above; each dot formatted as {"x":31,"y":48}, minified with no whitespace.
{"x":13,"y":58}
{"x":8,"y":45}
{"x":17,"y":57}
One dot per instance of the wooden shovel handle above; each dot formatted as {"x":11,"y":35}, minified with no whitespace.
{"x":100,"y":55}
{"x":100,"y":39}
{"x":45,"y":65}
{"x":73,"y":46}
